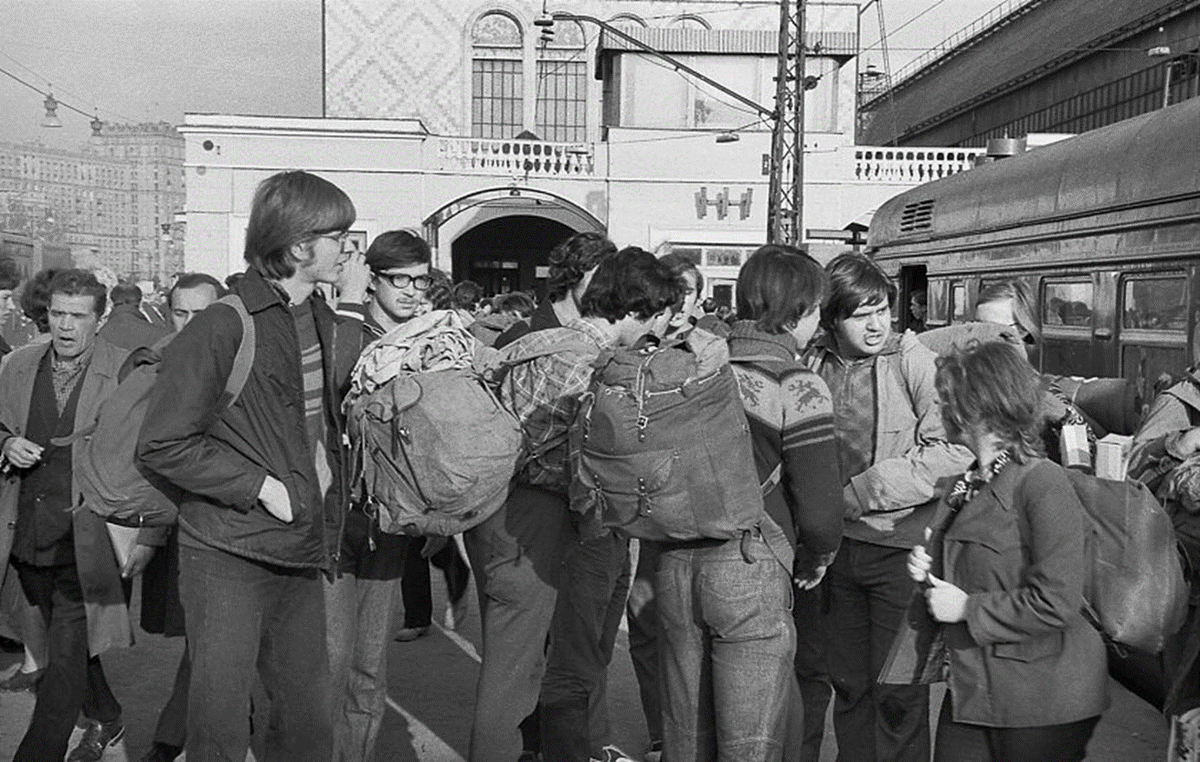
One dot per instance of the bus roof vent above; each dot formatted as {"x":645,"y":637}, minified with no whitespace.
{"x":917,"y":216}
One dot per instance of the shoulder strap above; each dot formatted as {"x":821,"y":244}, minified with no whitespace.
{"x":756,"y":358}
{"x":566,"y":345}
{"x":244,"y":359}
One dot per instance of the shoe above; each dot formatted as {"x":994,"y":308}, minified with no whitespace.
{"x":23,"y":681}
{"x":654,"y":753}
{"x":529,"y":756}
{"x":97,"y":737}
{"x":162,"y":752}
{"x":411,"y":633}
{"x":612,"y":754}
{"x":456,"y":613}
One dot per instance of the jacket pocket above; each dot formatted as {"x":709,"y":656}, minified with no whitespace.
{"x":1050,"y":644}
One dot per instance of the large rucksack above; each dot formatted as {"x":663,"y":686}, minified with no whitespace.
{"x":114,"y":484}
{"x":1134,"y":590}
{"x":663,"y":447}
{"x":434,"y":450}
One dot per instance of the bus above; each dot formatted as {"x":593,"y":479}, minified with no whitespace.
{"x":1103,"y":230}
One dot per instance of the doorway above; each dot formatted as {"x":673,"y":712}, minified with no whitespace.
{"x":508,"y":254}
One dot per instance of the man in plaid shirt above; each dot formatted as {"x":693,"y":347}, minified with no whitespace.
{"x":518,"y":553}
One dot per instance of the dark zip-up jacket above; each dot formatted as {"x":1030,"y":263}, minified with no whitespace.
{"x":221,"y":456}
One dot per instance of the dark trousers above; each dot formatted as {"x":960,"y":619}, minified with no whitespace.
{"x":172,"y":721}
{"x":869,"y":588}
{"x":414,"y":584}
{"x":73,"y":681}
{"x":961,"y":742}
{"x":245,"y":616}
{"x":806,"y":718}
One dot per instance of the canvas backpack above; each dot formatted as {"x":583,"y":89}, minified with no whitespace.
{"x":434,"y":450}
{"x":114,"y":484}
{"x":1134,"y":590}
{"x":663,"y":448}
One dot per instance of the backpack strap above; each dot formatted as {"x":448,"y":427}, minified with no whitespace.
{"x":243,"y":361}
{"x":756,"y":358}
{"x":773,"y":479}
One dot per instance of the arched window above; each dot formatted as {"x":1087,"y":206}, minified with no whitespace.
{"x":497,"y":84}
{"x":627,"y":21}
{"x":688,"y":21}
{"x":561,"y":93}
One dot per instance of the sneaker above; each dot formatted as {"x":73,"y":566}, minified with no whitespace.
{"x":162,"y":752}
{"x":654,"y":753}
{"x":23,"y":681}
{"x":456,"y":613}
{"x":411,"y":633}
{"x":97,"y":737}
{"x":612,"y":754}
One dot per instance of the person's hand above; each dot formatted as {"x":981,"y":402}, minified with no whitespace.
{"x":274,"y":497}
{"x":809,"y":581}
{"x":947,"y":602}
{"x":853,"y":509}
{"x":919,"y":561}
{"x":352,"y":286}
{"x":433,"y":545}
{"x":138,"y":558}
{"x":21,"y":452}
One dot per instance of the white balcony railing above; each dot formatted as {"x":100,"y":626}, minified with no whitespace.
{"x":516,"y":157}
{"x":911,"y":165}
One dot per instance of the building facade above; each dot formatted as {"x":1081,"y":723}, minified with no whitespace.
{"x":464,"y":120}
{"x":107,"y":201}
{"x":1041,"y":66}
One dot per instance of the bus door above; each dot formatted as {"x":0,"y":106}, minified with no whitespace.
{"x":1154,"y":327}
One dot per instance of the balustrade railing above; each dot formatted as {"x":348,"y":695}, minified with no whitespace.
{"x":911,"y":165}
{"x":517,"y":157}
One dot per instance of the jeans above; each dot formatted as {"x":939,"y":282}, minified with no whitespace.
{"x":726,"y":645}
{"x":172,"y":721}
{"x":812,"y":673}
{"x":963,"y":742}
{"x":642,"y":615}
{"x":243,"y":615}
{"x":869,"y":588}
{"x":358,"y":627}
{"x":591,"y":599}
{"x":414,"y":586}
{"x":517,"y":558}
{"x":73,"y":680}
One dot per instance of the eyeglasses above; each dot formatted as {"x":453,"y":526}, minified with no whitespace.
{"x":402,"y":280}
{"x":341,"y":237}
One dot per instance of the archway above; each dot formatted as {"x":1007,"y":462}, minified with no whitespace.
{"x":508,"y":253}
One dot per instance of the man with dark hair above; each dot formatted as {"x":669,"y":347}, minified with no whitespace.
{"x":518,"y":553}
{"x":264,"y":477}
{"x":64,"y":557}
{"x":189,"y":296}
{"x":399,"y":262}
{"x":891,"y":449}
{"x":572,"y":264}
{"x":466,"y":295}
{"x":10,"y":278}
{"x":126,"y":326}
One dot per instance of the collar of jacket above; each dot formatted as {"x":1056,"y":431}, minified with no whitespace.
{"x":258,"y":293}
{"x":752,"y":340}
{"x":827,"y":348}
{"x":128,"y":309}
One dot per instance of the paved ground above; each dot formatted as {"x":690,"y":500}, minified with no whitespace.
{"x":431,"y":693}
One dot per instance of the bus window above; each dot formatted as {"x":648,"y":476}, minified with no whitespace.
{"x":1067,"y":304}
{"x":1155,"y":303}
{"x":958,"y":302}
{"x":938,"y":298}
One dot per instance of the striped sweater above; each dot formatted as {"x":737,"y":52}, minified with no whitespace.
{"x":790,"y":413}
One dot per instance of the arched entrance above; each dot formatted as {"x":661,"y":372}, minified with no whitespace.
{"x":507,"y":253}
{"x":501,"y":237}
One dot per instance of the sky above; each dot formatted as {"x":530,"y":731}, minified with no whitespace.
{"x":151,"y":60}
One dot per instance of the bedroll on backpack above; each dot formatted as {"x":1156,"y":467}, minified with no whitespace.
{"x":115,"y":486}
{"x":664,"y":450}
{"x":1134,"y":589}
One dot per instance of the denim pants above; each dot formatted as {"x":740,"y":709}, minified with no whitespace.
{"x":591,"y":600}
{"x":642,"y":614}
{"x":172,"y":720}
{"x":358,"y":626}
{"x":726,"y":645}
{"x":516,"y":555}
{"x":869,"y":588}
{"x":812,"y":674}
{"x":245,"y":616}
{"x":73,"y":680}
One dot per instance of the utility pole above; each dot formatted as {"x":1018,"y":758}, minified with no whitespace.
{"x":785,"y":205}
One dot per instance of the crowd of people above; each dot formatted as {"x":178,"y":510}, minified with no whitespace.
{"x":887,"y":475}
